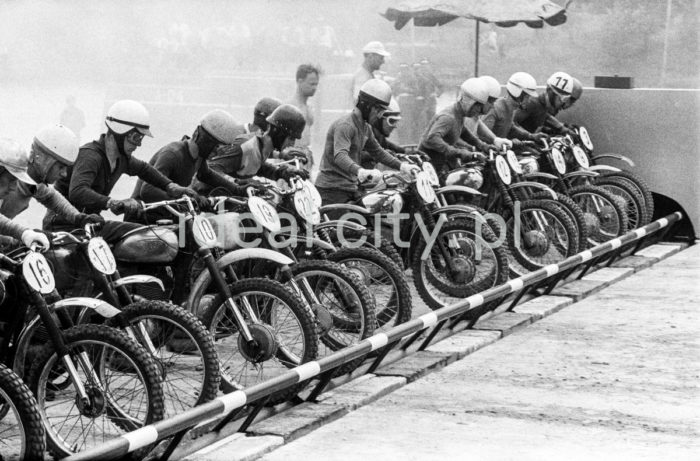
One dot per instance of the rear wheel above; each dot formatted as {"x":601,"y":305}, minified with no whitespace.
{"x":630,"y":198}
{"x":283,"y":329}
{"x":21,"y":431}
{"x":604,"y":214}
{"x":638,"y":183}
{"x":573,"y":211}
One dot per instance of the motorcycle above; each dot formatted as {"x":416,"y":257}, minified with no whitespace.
{"x":21,"y":431}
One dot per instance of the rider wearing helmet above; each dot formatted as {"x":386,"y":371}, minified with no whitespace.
{"x":13,"y":169}
{"x":473,"y":125}
{"x":532,"y":115}
{"x":552,"y":124}
{"x":53,"y":151}
{"x":441,"y":140}
{"x":520,"y":87}
{"x":347,"y":137}
{"x":247,"y":158}
{"x":263,"y":109}
{"x":382,"y":129}
{"x":102,"y":162}
{"x":182,"y":161}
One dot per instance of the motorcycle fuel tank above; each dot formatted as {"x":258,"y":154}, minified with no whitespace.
{"x":148,"y":245}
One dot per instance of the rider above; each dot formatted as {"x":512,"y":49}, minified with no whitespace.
{"x":263,"y":109}
{"x":382,"y":129}
{"x":520,"y":87}
{"x":532,"y":115}
{"x":474,"y":124}
{"x":247,"y":159}
{"x":13,"y":167}
{"x":182,"y":161}
{"x":552,"y":124}
{"x":347,"y":137}
{"x":441,"y":140}
{"x":102,"y":162}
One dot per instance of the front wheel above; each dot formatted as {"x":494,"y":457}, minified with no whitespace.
{"x":282,"y":327}
{"x":459,"y":263}
{"x":183,"y":350}
{"x":21,"y":431}
{"x":121,"y":383}
{"x":605,"y":215}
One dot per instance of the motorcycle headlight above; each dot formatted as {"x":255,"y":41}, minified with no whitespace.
{"x":529,"y":165}
{"x":469,"y":177}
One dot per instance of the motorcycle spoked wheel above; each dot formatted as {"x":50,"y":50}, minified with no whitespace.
{"x":184,"y":353}
{"x":383,"y":245}
{"x":286,"y":335}
{"x":21,"y":429}
{"x":133,"y":396}
{"x":385,"y":280}
{"x":631,"y":198}
{"x":636,"y":182}
{"x":481,"y":264}
{"x":539,"y":246}
{"x":574,"y":212}
{"x":605,"y":216}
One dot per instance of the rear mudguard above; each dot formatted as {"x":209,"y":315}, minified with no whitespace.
{"x":204,"y":278}
{"x":619,"y":157}
{"x":345,"y":206}
{"x":603,"y":168}
{"x":535,"y":185}
{"x":580,"y":174}
{"x":539,"y":175}
{"x":460,"y":189}
{"x":106,"y":310}
{"x":138,"y":279}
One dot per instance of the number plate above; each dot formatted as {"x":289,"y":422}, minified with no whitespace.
{"x":513,"y":162}
{"x":265,"y":214}
{"x":581,"y":157}
{"x":425,"y":187}
{"x":313,"y":192}
{"x":503,"y":170}
{"x":37,"y":273}
{"x":203,"y":232}
{"x":585,"y":138}
{"x":429,"y":169}
{"x":304,"y":204}
{"x":101,"y":256}
{"x":558,"y":159}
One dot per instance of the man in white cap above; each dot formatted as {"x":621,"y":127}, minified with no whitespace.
{"x":374,"y":58}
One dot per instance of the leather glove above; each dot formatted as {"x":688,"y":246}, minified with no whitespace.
{"x":472,"y":157}
{"x":84,"y":219}
{"x":538,"y":136}
{"x":128,"y":206}
{"x":286,"y":172}
{"x":291,"y":153}
{"x":364,"y":175}
{"x":516,"y":143}
{"x":30,"y":238}
{"x":500,"y":142}
{"x":201,"y":201}
{"x":409,"y":168}
{"x":177,"y":191}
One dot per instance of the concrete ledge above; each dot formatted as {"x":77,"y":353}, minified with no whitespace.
{"x":634,"y":262}
{"x":297,"y":421}
{"x":506,"y":322}
{"x":238,"y":447}
{"x":609,"y":275}
{"x":417,"y":365}
{"x":465,"y":342}
{"x":579,"y":289}
{"x":660,"y":251}
{"x":362,"y":391}
{"x":543,"y":306}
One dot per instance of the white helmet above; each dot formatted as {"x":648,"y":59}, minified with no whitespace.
{"x":376,"y":48}
{"x":15,"y":160}
{"x":59,"y":142}
{"x":126,"y":115}
{"x":394,"y":110}
{"x":521,"y":82}
{"x":493,"y":86}
{"x":561,"y":82}
{"x":476,"y":89}
{"x":375,"y":91}
{"x":221,"y":125}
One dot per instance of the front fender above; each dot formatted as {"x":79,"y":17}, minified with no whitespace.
{"x":295,"y":240}
{"x":462,"y":189}
{"x":603,"y":168}
{"x":619,"y":157}
{"x":535,"y":185}
{"x":134,"y":279}
{"x":345,"y":206}
{"x":103,"y":308}
{"x":539,"y":175}
{"x":204,"y":278}
{"x":460,"y":211}
{"x":581,"y":173}
{"x":340,"y":225}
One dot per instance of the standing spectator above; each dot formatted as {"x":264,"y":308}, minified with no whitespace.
{"x":404,"y":88}
{"x":307,"y":82}
{"x":430,"y":87}
{"x":374,"y":53}
{"x":72,"y":117}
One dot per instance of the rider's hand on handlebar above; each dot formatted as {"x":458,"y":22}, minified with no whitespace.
{"x":539,"y":136}
{"x":472,"y":157}
{"x":287,"y":172}
{"x":177,"y":191}
{"x":409,"y":168}
{"x":292,"y":153}
{"x":500,"y":142}
{"x":85,"y":219}
{"x":32,"y":238}
{"x":364,"y":175}
{"x":128,"y":206}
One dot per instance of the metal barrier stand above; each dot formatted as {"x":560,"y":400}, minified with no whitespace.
{"x":226,"y":408}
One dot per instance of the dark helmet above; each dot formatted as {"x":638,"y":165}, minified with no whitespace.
{"x":288,"y":119}
{"x":266,"y":106}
